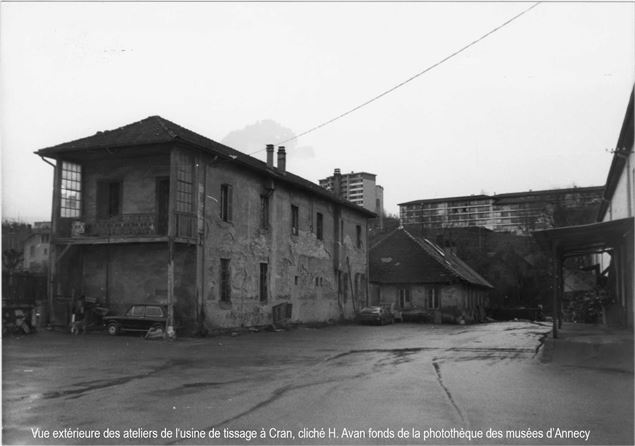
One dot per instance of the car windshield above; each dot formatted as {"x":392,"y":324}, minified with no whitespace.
{"x":136,"y":311}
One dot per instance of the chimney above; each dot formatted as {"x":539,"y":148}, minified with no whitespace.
{"x":270,"y":155}
{"x":282,"y":159}
{"x":337,"y":182}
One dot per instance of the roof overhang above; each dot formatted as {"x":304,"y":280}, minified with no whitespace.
{"x":573,"y":241}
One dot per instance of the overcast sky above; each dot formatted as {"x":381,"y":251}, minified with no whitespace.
{"x":536,"y":105}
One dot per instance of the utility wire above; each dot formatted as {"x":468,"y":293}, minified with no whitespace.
{"x":410,"y":79}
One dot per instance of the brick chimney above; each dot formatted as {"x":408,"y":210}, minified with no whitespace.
{"x":337,"y":182}
{"x":282,"y":159}
{"x":270,"y":155}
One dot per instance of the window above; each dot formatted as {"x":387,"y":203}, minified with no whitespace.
{"x":264,"y":212}
{"x":345,"y":286}
{"x":32,"y":250}
{"x":263,"y":282}
{"x":319,"y":226}
{"x":342,"y":231}
{"x":432,"y":299}
{"x":45,"y":238}
{"x":295,"y":220}
{"x":184,"y":167}
{"x":226,"y":202}
{"x":154,"y":312}
{"x":358,"y":229}
{"x":225,"y":281}
{"x":137,"y":311}
{"x":71,"y":190}
{"x":109,"y":199}
{"x":404,"y":297}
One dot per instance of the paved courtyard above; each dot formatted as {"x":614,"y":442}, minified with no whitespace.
{"x":396,"y":384}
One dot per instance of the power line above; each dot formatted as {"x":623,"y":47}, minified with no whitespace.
{"x":410,"y":79}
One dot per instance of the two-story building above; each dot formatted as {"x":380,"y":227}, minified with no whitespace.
{"x":155,"y":213}
{"x":36,"y":248}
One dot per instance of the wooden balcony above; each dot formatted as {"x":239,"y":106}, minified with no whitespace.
{"x":127,"y":228}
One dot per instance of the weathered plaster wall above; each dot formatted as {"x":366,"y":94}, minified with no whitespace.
{"x":454,"y":300}
{"x":302,"y":269}
{"x":137,"y":273}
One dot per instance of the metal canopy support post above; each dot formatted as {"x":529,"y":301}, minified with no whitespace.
{"x":555,"y":286}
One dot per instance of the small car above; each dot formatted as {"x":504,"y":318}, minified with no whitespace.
{"x":379,"y":314}
{"x":139,"y":317}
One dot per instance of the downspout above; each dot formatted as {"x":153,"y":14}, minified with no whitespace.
{"x":50,"y":288}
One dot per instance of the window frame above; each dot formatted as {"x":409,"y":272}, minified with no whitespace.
{"x":404,"y":297}
{"x":433,"y":302}
{"x":263,"y":284}
{"x":319,"y":226}
{"x":264,"y":212}
{"x":295,"y":220}
{"x":70,"y":186}
{"x":109,"y":202}
{"x":225,"y":280}
{"x":226,"y":199}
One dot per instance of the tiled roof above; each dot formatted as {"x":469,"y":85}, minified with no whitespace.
{"x":401,"y":257}
{"x":157,"y":130}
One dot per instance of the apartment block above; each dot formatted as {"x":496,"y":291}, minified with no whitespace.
{"x":357,"y":187}
{"x":518,"y":212}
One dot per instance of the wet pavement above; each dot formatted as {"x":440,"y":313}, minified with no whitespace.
{"x":334,"y":385}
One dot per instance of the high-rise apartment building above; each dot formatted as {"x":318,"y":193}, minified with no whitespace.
{"x":517,"y":212}
{"x":357,"y":187}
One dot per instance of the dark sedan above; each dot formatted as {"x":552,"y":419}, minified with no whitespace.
{"x":378,"y":315}
{"x":140,"y":317}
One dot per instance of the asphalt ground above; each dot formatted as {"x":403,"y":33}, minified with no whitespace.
{"x":348,"y":384}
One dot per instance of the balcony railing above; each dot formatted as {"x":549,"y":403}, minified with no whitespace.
{"x":129,"y":225}
{"x":124,"y":225}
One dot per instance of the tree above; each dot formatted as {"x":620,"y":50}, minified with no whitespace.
{"x":12,"y":260}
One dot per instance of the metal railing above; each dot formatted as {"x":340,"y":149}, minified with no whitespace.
{"x":123,"y":225}
{"x":129,"y":225}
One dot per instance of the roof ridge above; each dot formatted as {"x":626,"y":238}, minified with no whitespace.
{"x":162,"y":123}
{"x":383,"y":239}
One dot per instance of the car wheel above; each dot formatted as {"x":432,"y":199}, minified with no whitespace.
{"x":113,"y":329}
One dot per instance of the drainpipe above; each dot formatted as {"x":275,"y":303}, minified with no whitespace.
{"x":52,"y":270}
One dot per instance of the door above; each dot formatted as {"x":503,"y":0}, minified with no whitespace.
{"x":163,"y":205}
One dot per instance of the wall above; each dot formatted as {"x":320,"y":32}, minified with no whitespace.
{"x":138,"y":176}
{"x":36,"y":250}
{"x":120,"y":275}
{"x":619,"y":206}
{"x":455,"y":300}
{"x":301,"y":268}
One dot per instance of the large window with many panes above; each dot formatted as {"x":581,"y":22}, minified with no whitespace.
{"x":71,"y":190}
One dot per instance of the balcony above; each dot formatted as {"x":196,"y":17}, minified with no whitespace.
{"x":128,"y":227}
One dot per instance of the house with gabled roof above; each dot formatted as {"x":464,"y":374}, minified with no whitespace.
{"x":415,"y":273}
{"x":152,"y":212}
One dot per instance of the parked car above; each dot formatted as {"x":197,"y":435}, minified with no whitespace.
{"x":139,"y":317}
{"x":416,"y":314}
{"x":379,"y":314}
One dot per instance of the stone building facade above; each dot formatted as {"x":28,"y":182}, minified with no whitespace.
{"x":154,"y":213}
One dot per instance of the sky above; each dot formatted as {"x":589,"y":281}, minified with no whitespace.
{"x":538,"y":104}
